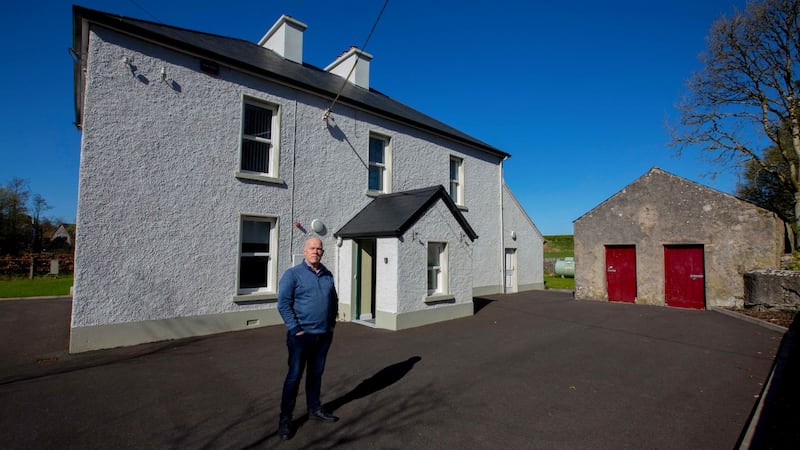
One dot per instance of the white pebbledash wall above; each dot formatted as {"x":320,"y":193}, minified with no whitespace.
{"x":522,"y":235}
{"x":437,"y":225}
{"x":401,"y":299}
{"x":160,"y":205}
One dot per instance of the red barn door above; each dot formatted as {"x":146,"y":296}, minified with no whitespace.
{"x":621,"y":273}
{"x":684,"y":276}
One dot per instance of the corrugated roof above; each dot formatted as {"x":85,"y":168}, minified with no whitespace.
{"x":391,"y":215}
{"x":250,"y":57}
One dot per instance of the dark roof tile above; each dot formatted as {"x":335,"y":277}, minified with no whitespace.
{"x":391,"y":215}
{"x":251,"y":57}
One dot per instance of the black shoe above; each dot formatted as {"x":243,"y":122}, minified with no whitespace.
{"x":285,"y":429}
{"x":322,"y":415}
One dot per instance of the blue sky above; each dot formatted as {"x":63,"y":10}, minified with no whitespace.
{"x":577,"y":92}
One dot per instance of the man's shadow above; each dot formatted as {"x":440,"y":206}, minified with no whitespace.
{"x":382,"y":379}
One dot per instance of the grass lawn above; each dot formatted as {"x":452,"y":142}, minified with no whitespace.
{"x":37,"y":287}
{"x":556,"y":282}
{"x":558,"y":246}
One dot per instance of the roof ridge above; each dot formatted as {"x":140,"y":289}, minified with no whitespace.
{"x":241,"y":54}
{"x":161,"y":24}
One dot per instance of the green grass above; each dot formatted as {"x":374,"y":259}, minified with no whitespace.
{"x":556,"y":282}
{"x":559,"y":246}
{"x":37,"y":287}
{"x":556,"y":246}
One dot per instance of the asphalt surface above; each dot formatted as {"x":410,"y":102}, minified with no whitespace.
{"x":527,"y":371}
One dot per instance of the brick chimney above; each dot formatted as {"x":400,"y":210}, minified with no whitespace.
{"x":345,"y":62}
{"x":286,"y":38}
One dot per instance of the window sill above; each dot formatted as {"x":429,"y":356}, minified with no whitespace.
{"x":258,"y":297}
{"x":439,"y":298}
{"x":462,"y":208}
{"x":260,"y":177}
{"x":370,"y":193}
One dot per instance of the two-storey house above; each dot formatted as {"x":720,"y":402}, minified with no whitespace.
{"x":206,"y":161}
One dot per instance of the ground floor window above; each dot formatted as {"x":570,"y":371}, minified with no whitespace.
{"x":437,"y":268}
{"x":256,"y":255}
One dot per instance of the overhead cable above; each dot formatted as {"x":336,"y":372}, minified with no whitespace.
{"x":363,"y":48}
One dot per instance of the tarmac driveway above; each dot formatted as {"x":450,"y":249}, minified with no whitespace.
{"x":530,"y":370}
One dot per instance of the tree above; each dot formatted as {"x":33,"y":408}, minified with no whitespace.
{"x":15,"y":223}
{"x":747,"y":91}
{"x":22,"y":224}
{"x":766,"y":190}
{"x":39,"y":205}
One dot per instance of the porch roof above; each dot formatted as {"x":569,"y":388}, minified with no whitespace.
{"x":391,"y":215}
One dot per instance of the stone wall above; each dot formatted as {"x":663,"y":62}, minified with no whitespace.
{"x":20,"y":265}
{"x":661,"y":210}
{"x":772,"y":289}
{"x":550,"y":266}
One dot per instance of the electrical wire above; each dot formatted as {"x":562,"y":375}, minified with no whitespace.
{"x":363,"y":48}
{"x":146,"y":11}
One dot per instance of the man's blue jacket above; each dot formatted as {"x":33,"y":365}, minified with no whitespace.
{"x":307,"y":300}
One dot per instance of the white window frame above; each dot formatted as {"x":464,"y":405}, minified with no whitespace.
{"x":385,"y":167}
{"x":438,"y":271}
{"x":270,"y":254}
{"x":456,"y":194}
{"x":273,"y":140}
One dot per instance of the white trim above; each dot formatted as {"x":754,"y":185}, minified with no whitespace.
{"x":273,"y":141}
{"x":459,"y":180}
{"x":441,"y":270}
{"x":385,"y":167}
{"x":270,"y":254}
{"x":510,"y":270}
{"x":253,"y":176}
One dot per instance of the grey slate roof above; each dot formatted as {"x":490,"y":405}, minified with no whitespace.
{"x":391,"y":215}
{"x":248,"y":56}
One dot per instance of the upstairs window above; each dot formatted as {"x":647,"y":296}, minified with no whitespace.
{"x":256,"y":255}
{"x":379,"y":175}
{"x":457,"y":180}
{"x":259,"y":139}
{"x":437,"y":268}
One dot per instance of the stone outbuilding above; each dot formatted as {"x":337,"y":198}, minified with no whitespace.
{"x":665,"y":240}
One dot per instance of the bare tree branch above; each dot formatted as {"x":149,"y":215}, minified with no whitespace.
{"x":747,"y":90}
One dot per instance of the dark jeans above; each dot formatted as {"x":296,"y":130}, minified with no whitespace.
{"x":306,"y":350}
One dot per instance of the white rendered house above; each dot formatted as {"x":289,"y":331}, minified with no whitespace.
{"x":206,"y":161}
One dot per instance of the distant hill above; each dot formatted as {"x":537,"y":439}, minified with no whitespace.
{"x":559,"y":246}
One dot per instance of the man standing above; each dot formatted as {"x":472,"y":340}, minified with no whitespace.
{"x":308,"y":303}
